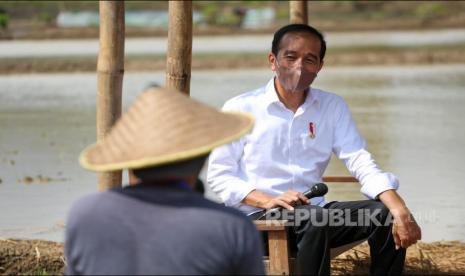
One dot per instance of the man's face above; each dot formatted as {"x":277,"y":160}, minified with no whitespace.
{"x":297,"y":52}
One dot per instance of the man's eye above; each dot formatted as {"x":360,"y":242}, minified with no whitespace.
{"x":290,"y":57}
{"x":310,"y":61}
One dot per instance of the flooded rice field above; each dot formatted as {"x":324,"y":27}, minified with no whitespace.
{"x":412,"y":119}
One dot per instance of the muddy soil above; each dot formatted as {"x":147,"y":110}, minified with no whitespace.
{"x":38,"y":257}
{"x":437,"y":258}
{"x":31,"y":257}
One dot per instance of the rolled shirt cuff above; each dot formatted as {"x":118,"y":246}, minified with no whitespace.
{"x":236,"y":193}
{"x":379,"y":183}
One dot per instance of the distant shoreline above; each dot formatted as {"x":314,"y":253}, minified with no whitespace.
{"x":34,"y":31}
{"x":346,"y":56}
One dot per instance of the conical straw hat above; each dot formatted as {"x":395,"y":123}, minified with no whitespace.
{"x":164,"y":126}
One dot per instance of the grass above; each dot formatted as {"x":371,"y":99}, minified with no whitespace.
{"x":41,"y":272}
{"x":19,"y":257}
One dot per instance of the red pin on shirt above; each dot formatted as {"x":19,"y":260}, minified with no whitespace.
{"x":312,"y":130}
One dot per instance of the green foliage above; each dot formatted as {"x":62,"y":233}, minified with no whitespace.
{"x":41,"y":272}
{"x":223,"y":12}
{"x":282,"y":13}
{"x":210,"y":13}
{"x":46,"y":17}
{"x":428,"y":11}
{"x":255,"y":4}
{"x":3,"y":20}
{"x":229,"y":19}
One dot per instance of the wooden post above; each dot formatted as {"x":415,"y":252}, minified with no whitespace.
{"x":298,"y":12}
{"x":110,"y":71}
{"x":278,"y":262}
{"x":178,"y":63}
{"x":279,"y":256}
{"x":278,"y":246}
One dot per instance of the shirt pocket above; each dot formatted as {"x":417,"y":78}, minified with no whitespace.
{"x":320,"y":142}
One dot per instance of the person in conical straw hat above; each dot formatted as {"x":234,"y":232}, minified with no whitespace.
{"x":160,"y":225}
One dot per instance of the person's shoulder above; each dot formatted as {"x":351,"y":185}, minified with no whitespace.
{"x":325,"y":96}
{"x":330,"y":101}
{"x":231,"y":222}
{"x":245,"y":100}
{"x":89,"y":206}
{"x":219,"y":214}
{"x":86,"y":202}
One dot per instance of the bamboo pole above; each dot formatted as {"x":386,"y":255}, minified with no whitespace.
{"x":178,"y":62}
{"x":110,"y":71}
{"x":298,"y":12}
{"x":179,"y":54}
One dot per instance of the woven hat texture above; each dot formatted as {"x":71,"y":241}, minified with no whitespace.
{"x":164,"y":126}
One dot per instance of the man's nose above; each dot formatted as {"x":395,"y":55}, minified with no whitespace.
{"x":298,"y":63}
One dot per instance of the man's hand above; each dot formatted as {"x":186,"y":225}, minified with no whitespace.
{"x":266,"y":201}
{"x":405,"y":230}
{"x":287,"y":200}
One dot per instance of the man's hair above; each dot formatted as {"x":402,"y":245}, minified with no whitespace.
{"x":175,"y":170}
{"x":297,"y":28}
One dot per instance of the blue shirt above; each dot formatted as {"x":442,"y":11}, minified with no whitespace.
{"x":159,"y":230}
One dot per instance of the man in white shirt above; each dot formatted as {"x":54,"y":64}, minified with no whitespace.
{"x":297,"y":128}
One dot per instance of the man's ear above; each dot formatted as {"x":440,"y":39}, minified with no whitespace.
{"x":271,"y":60}
{"x":321,"y":66}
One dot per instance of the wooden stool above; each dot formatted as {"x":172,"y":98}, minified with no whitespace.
{"x":279,"y":261}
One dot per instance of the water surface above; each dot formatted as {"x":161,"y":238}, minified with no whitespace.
{"x":411,"y":117}
{"x":257,"y":43}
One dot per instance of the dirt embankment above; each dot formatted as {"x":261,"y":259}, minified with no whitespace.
{"x":329,"y":17}
{"x":46,"y":258}
{"x":334,"y":57}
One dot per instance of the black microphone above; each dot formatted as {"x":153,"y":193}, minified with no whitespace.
{"x":317,"y":190}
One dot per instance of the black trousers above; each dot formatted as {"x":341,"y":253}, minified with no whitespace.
{"x":318,"y":229}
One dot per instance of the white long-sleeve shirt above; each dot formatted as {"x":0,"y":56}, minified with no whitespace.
{"x":280,"y":154}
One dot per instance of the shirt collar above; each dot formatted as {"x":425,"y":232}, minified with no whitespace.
{"x":312,"y":98}
{"x":271,"y":95}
